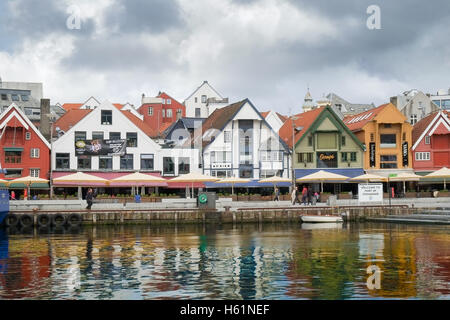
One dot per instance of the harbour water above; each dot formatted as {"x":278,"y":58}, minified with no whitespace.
{"x":250,"y":261}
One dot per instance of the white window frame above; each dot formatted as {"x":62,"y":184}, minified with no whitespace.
{"x":227,"y":136}
{"x":168,"y":101}
{"x":427,"y":140}
{"x":28,"y":135}
{"x":34,"y":153}
{"x":150,"y":111}
{"x":422,"y":156}
{"x":33,"y":172}
{"x":169,"y":113}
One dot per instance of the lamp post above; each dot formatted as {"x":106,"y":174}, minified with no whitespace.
{"x":51,"y":118}
{"x":293,"y":150}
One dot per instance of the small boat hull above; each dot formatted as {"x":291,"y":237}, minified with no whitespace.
{"x":321,"y":219}
{"x":325,"y":225}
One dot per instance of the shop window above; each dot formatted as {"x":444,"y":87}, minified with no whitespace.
{"x":327,"y":160}
{"x":126,"y":162}
{"x":388,"y":161}
{"x":147,"y":161}
{"x":63,"y":161}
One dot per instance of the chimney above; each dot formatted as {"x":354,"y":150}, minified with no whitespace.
{"x":45,"y":118}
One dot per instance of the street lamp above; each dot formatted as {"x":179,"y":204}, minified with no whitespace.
{"x":51,"y":118}
{"x":293,"y":150}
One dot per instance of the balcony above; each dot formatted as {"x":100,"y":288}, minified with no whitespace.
{"x":13,"y":159}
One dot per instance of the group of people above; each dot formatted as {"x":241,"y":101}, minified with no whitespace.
{"x":308,"y":196}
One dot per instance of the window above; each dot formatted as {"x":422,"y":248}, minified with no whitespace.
{"x":422,"y":156}
{"x":168,"y":165}
{"x":34,"y":153}
{"x":343,"y":141}
{"x":13,"y":173}
{"x":114,"y":136}
{"x":25,"y":97}
{"x":404,"y":136}
{"x":84,"y":162}
{"x":62,"y":160}
{"x":413,"y":119}
{"x":132,"y":139}
{"x":150,"y":111}
{"x":195,"y":99}
{"x":15,"y":97}
{"x":126,"y":162}
{"x":372,"y":137}
{"x":246,"y":172}
{"x":344,"y":156}
{"x":34,"y":173}
{"x":221,"y":174}
{"x":13,"y":156}
{"x":106,"y":117}
{"x":427,"y":139}
{"x":28,"y":136}
{"x":105,"y":163}
{"x":183,"y":165}
{"x":80,"y":135}
{"x":147,"y":161}
{"x":179,"y":114}
{"x":220,"y":156}
{"x":310,"y":141}
{"x":168,"y":101}
{"x":169,"y":113}
{"x":388,"y":161}
{"x":445,"y":104}
{"x":227,"y":136}
{"x":305,"y":157}
{"x":437,"y":102}
{"x":4,"y":97}
{"x":352,"y":156}
{"x":197,"y":112}
{"x":327,"y":160}
{"x":388,"y":125}
{"x":388,"y":141}
{"x":97,"y":135}
{"x":203,"y":99}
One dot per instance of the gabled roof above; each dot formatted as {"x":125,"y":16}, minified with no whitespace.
{"x":24,"y":119}
{"x":187,"y":123}
{"x":139,"y":123}
{"x":422,"y":127}
{"x":69,"y":119}
{"x":71,"y":106}
{"x":203,"y":84}
{"x":281,"y":117}
{"x":304,"y":120}
{"x":358,"y":121}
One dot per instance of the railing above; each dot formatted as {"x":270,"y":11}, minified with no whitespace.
{"x":13,"y":159}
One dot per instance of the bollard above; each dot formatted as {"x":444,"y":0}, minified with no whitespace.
{"x":94,"y":218}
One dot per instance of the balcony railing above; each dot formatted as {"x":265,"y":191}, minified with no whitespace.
{"x":13,"y":159}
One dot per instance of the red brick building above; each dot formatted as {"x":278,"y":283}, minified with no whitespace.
{"x":24,"y":150}
{"x":431,"y":143}
{"x":160,"y":112}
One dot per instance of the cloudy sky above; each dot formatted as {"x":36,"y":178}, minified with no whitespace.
{"x":265,"y":50}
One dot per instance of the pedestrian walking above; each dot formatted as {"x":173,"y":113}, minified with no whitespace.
{"x":89,"y":196}
{"x":294,"y":196}
{"x":277,"y":195}
{"x":310,"y":196}
{"x":304,"y":195}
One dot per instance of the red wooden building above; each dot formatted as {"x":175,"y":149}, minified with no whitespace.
{"x":24,"y":150}
{"x":431,"y":143}
{"x":160,"y":112}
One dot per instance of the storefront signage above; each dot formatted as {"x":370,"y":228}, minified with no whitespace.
{"x":370,"y":192}
{"x":372,"y":154}
{"x":100,"y":147}
{"x":405,"y":153}
{"x":327,"y":160}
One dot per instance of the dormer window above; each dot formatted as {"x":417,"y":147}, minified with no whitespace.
{"x":106,"y":118}
{"x":203,"y":99}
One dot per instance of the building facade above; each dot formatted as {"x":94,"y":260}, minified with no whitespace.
{"x":203,"y":101}
{"x":387,"y":136}
{"x":323,"y":142}
{"x":236,"y":141}
{"x":431,"y":143}
{"x":415,"y":105}
{"x":441,"y":99}
{"x":108,"y":122}
{"x":25,"y":151}
{"x":161,"y":111}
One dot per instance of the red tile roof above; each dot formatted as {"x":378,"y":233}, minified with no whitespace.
{"x":305,"y":120}
{"x":265,"y":114}
{"x":422,"y":125}
{"x":71,"y":106}
{"x":69,"y":119}
{"x":140,"y":124}
{"x":358,"y":121}
{"x":283,"y":118}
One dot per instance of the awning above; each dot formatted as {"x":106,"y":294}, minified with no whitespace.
{"x":21,"y":185}
{"x":350,"y":172}
{"x":183,"y":185}
{"x":251,"y":184}
{"x":107,"y":176}
{"x":13,"y":149}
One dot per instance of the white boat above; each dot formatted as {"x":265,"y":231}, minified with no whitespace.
{"x":326,"y":225}
{"x":317,"y":219}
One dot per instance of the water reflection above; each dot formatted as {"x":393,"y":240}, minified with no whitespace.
{"x":245,"y":262}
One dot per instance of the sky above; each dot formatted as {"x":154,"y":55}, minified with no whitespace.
{"x":269,"y":51}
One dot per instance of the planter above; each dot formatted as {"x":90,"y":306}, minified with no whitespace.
{"x":324,"y":197}
{"x":443,"y":194}
{"x":411,"y":195}
{"x":267,"y":198}
{"x":344,"y":196}
{"x":255,"y":197}
{"x":234,"y":197}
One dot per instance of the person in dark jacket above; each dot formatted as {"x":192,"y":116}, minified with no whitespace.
{"x":89,"y":197}
{"x":310,"y":196}
{"x":277,"y":195}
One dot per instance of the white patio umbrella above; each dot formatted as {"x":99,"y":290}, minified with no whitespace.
{"x":322,"y":176}
{"x":404,"y":176}
{"x":233,"y":181}
{"x":369,"y":178}
{"x":275,"y":180}
{"x":441,"y":173}
{"x":137,"y":179}
{"x":28,"y":181}
{"x":193,"y":177}
{"x":80,"y":179}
